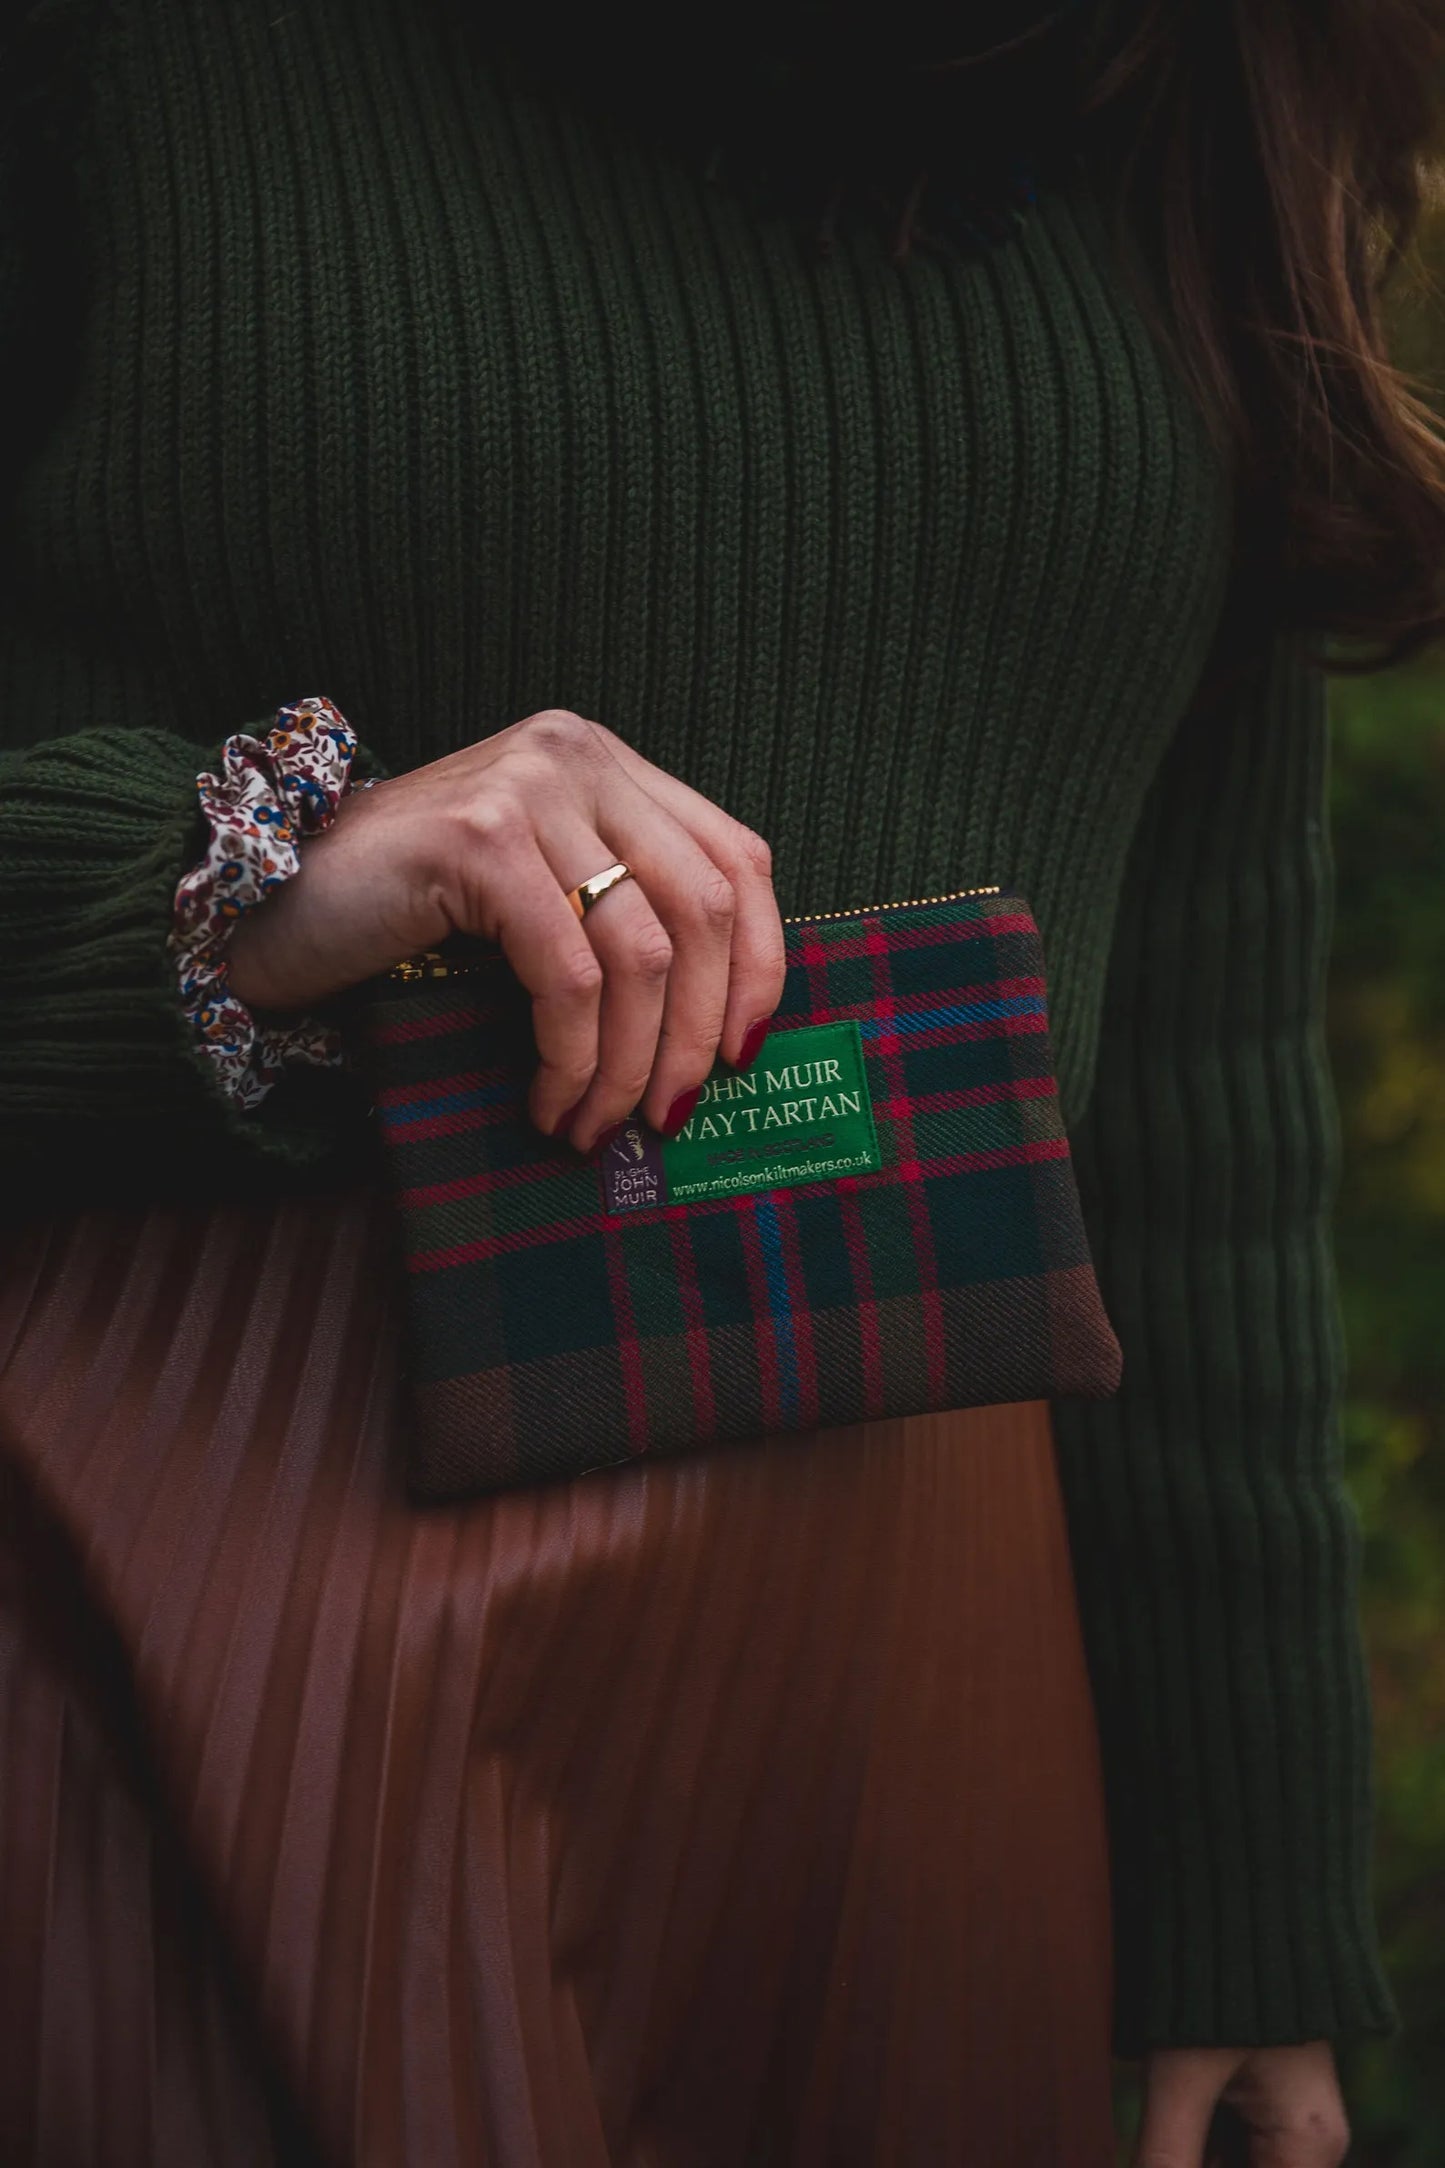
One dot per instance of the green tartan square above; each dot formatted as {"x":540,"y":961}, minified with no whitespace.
{"x":852,"y":981}
{"x":653,"y":1282}
{"x":984,"y":1227}
{"x":720,"y":1269}
{"x":827,"y":1270}
{"x":567,"y":1411}
{"x":890,"y":1242}
{"x":556,"y":1299}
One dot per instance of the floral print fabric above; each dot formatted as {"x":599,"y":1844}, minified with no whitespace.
{"x":269,"y":793}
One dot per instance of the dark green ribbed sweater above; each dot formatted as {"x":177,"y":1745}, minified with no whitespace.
{"x":339,"y":361}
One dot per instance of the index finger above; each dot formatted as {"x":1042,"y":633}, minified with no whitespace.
{"x":543,"y":941}
{"x":757,"y":962}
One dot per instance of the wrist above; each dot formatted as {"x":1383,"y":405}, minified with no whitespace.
{"x":328,"y":927}
{"x":250,"y":961}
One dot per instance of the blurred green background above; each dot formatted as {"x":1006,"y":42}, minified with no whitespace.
{"x":1387,"y":1036}
{"x":1387,"y":1023}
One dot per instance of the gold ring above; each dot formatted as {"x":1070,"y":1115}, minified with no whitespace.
{"x":586,"y":893}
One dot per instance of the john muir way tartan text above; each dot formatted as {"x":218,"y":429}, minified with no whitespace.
{"x":880,"y":1217}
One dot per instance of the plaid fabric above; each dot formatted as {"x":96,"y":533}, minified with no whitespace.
{"x":547,"y":1336}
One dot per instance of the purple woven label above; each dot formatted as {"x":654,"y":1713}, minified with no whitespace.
{"x":633,"y":1174}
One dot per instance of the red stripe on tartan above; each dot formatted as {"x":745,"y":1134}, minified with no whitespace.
{"x":814,"y":958}
{"x":886,"y":1049}
{"x":975,"y":989}
{"x":805,"y":1352}
{"x":441,"y":1087}
{"x":629,"y":1351}
{"x":485,"y":1180}
{"x":435,"y":1026}
{"x":455,"y":1124}
{"x":938,"y":997}
{"x":855,"y":1243}
{"x":765,"y":1330}
{"x":699,"y":1361}
{"x":901,"y":935}
{"x":1007,"y":1155}
{"x":976,"y":1095}
{"x":997,"y":1027}
{"x":482,"y":1248}
{"x":907,"y":1170}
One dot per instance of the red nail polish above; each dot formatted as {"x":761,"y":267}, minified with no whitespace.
{"x":679,"y":1111}
{"x":753,"y":1039}
{"x":564,"y":1121}
{"x":605,"y":1136}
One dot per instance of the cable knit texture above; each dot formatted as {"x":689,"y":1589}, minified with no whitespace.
{"x":372,"y":366}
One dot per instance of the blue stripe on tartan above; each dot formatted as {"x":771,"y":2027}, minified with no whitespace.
{"x":970,"y":1012}
{"x":771,"y":1242}
{"x":422,"y":1110}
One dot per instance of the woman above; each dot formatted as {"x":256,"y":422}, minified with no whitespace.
{"x":649,"y":455}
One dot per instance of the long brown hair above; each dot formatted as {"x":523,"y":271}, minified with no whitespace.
{"x":1271,"y":156}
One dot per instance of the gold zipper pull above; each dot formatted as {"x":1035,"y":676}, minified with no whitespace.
{"x":426,"y":964}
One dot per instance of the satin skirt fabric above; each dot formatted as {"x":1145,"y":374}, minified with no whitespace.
{"x":725,"y":1813}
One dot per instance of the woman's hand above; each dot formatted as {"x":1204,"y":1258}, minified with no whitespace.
{"x":1286,"y":2107}
{"x":630,"y":1009}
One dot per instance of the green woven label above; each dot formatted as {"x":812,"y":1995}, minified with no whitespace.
{"x":801,"y":1114}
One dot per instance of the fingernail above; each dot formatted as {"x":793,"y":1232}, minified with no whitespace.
{"x":752,"y":1044}
{"x":605,"y":1136}
{"x":679,"y":1111}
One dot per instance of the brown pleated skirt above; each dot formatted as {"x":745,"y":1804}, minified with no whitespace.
{"x":718,"y":1814}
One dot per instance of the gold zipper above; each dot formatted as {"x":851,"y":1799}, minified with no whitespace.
{"x":908,"y":903}
{"x":431,"y":964}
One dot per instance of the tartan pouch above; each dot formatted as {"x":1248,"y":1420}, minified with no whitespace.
{"x":878,"y":1218}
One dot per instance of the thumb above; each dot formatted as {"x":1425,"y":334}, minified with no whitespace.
{"x":1182,"y":2086}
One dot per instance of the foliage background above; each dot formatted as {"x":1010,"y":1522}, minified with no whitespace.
{"x":1387,"y":1035}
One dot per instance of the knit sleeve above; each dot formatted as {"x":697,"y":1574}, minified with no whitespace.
{"x":99,"y":1064}
{"x":1216,"y":1548}
{"x":96,"y":1052}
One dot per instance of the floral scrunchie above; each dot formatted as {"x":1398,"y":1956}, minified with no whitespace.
{"x":270,"y":792}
